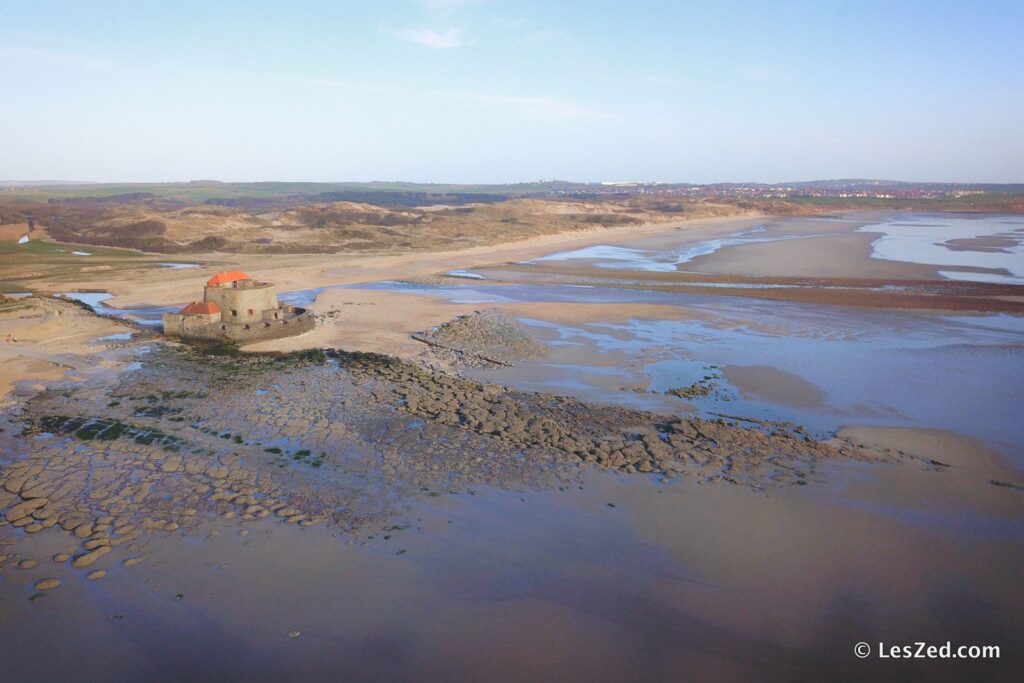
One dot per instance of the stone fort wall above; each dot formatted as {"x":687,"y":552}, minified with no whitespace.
{"x":242,"y":304}
{"x":184,"y":325}
{"x":296,"y":321}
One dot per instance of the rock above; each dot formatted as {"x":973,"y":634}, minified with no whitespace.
{"x":170,"y":466}
{"x":90,"y":557}
{"x":132,"y":561}
{"x":22,"y":510}
{"x":98,"y":574}
{"x":16,"y":481}
{"x":61,"y":557}
{"x":27,"y":564}
{"x":47,"y":584}
{"x":34,"y":492}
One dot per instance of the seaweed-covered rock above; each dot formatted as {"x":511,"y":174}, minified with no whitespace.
{"x":490,"y":335}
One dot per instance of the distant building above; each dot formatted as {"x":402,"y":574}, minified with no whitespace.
{"x":237,"y":308}
{"x":15,"y":232}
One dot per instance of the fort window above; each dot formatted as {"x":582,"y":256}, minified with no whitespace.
{"x":234,"y":312}
{"x":247,"y":326}
{"x":266,"y":324}
{"x":250,"y":311}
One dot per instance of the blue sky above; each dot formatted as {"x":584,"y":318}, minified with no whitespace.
{"x":492,"y":91}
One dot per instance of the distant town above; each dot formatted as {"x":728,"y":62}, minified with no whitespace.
{"x":393,"y":193}
{"x":846,"y":189}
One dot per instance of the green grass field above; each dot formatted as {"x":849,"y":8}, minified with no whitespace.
{"x":62,"y":250}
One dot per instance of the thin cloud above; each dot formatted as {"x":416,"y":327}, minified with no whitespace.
{"x":443,"y":39}
{"x":767,"y":74}
{"x":444,"y":5}
{"x":534,"y":108}
{"x":310,"y":81}
{"x":663,"y":80}
{"x":54,"y":57}
{"x":542,"y":38}
{"x":328,"y":82}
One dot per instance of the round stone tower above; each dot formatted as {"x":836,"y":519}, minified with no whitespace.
{"x":240,"y":298}
{"x":237,"y":308}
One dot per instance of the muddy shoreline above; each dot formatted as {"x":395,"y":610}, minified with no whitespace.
{"x":566,"y":483}
{"x":122,"y":454}
{"x":938,"y":295}
{"x":175,"y":485}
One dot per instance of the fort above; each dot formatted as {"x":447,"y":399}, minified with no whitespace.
{"x":237,"y":308}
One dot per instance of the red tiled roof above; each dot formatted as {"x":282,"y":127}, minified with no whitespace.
{"x":200,"y":307}
{"x":227,"y":276}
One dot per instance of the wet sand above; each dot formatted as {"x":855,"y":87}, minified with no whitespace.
{"x":844,"y":255}
{"x":684,"y":581}
{"x":292,"y":272}
{"x":41,"y":339}
{"x":933,"y":295}
{"x":790,"y":247}
{"x":766,"y":382}
{"x":399,"y":521}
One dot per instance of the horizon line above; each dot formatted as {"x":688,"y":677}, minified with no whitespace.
{"x":604,"y":183}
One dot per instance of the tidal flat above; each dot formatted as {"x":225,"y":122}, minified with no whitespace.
{"x":379,"y":509}
{"x":639,"y":483}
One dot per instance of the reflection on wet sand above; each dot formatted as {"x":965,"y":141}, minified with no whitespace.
{"x":981,"y":248}
{"x":277,"y":518}
{"x":764,"y":382}
{"x":683,"y":582}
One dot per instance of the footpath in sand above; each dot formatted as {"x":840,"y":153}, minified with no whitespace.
{"x":40,"y":339}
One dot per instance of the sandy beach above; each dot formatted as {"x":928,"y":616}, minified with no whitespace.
{"x":460,"y":341}
{"x":43,"y":339}
{"x":306,"y":271}
{"x":696,"y":462}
